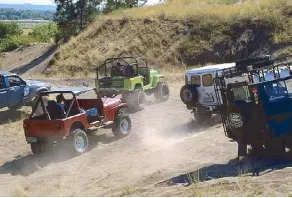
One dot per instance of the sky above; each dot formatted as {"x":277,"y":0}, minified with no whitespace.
{"x":46,"y":2}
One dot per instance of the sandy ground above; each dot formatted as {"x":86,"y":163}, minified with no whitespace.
{"x":28,"y":60}
{"x":165,"y":144}
{"x":165,"y":141}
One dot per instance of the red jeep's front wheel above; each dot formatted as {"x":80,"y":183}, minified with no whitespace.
{"x":122,"y":125}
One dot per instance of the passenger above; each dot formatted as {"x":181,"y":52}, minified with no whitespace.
{"x":39,"y":110}
{"x":60,"y":101}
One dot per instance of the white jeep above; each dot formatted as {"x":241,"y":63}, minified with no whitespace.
{"x":198,"y":93}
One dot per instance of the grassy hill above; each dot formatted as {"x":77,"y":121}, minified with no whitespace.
{"x":181,"y":33}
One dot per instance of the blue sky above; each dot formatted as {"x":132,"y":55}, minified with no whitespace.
{"x":45,"y":2}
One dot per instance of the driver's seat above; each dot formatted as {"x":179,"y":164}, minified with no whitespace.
{"x":129,"y":71}
{"x":54,"y":110}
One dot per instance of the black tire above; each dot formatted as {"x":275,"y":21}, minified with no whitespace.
{"x":189,"y":94}
{"x":79,"y":141}
{"x":257,"y":149}
{"x":40,"y":147}
{"x":202,"y":116}
{"x":122,"y":125}
{"x":162,"y":92}
{"x":136,"y":100}
{"x":37,"y":148}
{"x":275,"y":147}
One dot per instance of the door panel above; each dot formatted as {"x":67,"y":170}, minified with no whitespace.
{"x":16,"y":87}
{"x":4,"y":93}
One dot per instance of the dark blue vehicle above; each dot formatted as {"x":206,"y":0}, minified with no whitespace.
{"x":16,"y":92}
{"x":257,"y":113}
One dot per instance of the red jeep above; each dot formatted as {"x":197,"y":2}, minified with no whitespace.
{"x":69,"y":119}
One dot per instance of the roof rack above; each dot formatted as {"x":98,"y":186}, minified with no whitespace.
{"x":256,"y":65}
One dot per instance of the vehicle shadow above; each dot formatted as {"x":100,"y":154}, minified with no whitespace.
{"x":9,"y":116}
{"x":29,"y":164}
{"x":251,"y":166}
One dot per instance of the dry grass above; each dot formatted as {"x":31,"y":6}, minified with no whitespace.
{"x":19,"y":191}
{"x":168,"y":33}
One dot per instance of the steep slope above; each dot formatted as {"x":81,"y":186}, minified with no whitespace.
{"x":181,"y":33}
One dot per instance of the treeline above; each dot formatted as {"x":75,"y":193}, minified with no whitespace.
{"x":12,"y":37}
{"x":72,"y":16}
{"x":12,"y":14}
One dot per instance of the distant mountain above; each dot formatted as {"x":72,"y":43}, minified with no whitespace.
{"x":29,"y":7}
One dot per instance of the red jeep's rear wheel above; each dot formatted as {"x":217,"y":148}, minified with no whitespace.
{"x":79,"y":141}
{"x":36,"y":148}
{"x":40,"y":147}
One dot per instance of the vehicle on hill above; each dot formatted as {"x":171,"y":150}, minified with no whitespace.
{"x":16,"y":92}
{"x":132,"y":78}
{"x":257,"y":111}
{"x":66,"y":115}
{"x":198,"y":93}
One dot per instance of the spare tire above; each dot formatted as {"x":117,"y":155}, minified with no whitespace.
{"x":189,"y":94}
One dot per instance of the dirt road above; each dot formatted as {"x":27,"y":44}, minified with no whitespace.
{"x":165,"y":142}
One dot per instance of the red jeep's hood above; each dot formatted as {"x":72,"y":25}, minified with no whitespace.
{"x":111,"y":102}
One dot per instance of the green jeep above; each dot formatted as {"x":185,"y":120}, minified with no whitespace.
{"x":131,"y":77}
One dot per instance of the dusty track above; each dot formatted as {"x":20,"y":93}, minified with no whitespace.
{"x":165,"y":142}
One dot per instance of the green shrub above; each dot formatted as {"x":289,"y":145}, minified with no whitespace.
{"x":13,"y":42}
{"x":45,"y":32}
{"x":9,"y":29}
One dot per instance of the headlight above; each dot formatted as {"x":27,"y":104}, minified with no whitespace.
{"x":26,"y":91}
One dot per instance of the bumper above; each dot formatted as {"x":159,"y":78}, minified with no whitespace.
{"x":203,"y":108}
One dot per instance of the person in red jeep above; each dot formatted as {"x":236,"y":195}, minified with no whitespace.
{"x":61,"y":103}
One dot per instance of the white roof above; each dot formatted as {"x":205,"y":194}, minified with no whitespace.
{"x":210,"y":68}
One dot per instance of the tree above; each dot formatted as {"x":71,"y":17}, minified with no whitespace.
{"x":111,"y":5}
{"x":73,"y":16}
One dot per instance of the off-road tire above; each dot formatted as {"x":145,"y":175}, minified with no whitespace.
{"x":189,"y":95}
{"x":40,"y":148}
{"x":275,"y":147}
{"x":257,"y":149}
{"x":202,"y":116}
{"x":135,"y":100}
{"x":162,"y":92}
{"x":122,"y":119}
{"x":79,"y":141}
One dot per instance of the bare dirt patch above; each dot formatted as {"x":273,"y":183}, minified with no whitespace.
{"x":28,"y":60}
